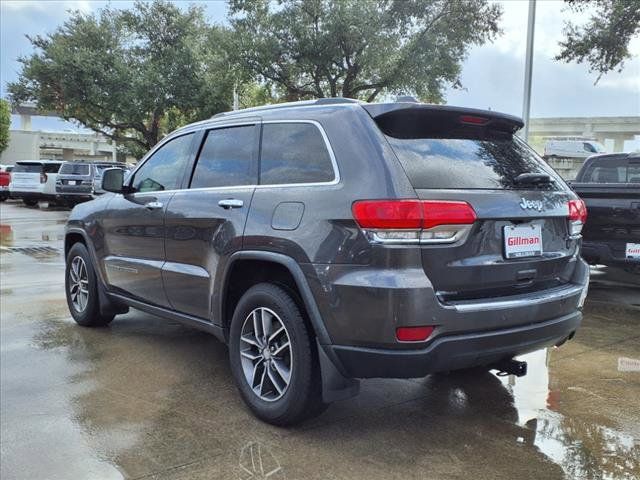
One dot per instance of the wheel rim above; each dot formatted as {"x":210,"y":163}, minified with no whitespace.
{"x":265,"y":354}
{"x":78,"y":284}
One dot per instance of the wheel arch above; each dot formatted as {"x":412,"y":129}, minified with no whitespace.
{"x":285,"y":264}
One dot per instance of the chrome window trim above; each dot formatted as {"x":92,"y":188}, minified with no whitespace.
{"x":334,"y":163}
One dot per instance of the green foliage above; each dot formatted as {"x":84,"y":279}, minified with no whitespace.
{"x":603,"y":42}
{"x":359,"y":49}
{"x":132,"y":75}
{"x":5,"y":123}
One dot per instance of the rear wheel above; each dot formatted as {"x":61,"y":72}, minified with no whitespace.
{"x":272,"y":357}
{"x":82,"y":289}
{"x":30,"y":202}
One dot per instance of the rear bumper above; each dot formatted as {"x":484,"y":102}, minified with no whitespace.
{"x":599,"y":252}
{"x":454,"y":351}
{"x":31,"y":195}
{"x":74,"y":197}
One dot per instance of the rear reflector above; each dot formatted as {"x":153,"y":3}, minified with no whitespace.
{"x":413,"y":334}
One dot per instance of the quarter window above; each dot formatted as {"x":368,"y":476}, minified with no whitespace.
{"x":226,"y":158}
{"x":294,"y":153}
{"x":165,"y":168}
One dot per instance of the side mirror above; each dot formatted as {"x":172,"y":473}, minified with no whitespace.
{"x":112,"y":180}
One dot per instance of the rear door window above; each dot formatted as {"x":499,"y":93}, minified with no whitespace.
{"x":294,"y":153}
{"x":227,"y":158}
{"x":468,"y":163}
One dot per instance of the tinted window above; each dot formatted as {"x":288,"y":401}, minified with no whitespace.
{"x":75,"y":169}
{"x":51,"y":167}
{"x":28,"y":168}
{"x":165,"y":168}
{"x":633,"y":172}
{"x":490,"y":163}
{"x":226,"y":158}
{"x":294,"y":153}
{"x":610,"y":170}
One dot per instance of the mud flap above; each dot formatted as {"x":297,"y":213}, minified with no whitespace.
{"x":335,"y":386}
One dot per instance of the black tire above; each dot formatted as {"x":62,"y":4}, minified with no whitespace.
{"x":89,"y":316}
{"x":30,"y":202}
{"x":302,"y":398}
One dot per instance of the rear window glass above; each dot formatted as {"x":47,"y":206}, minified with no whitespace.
{"x":28,"y":168}
{"x":468,"y":163}
{"x":294,"y":153}
{"x":609,"y":170}
{"x":51,"y":167}
{"x":75,"y":169}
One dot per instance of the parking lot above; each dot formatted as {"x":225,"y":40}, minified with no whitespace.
{"x":149,"y":398}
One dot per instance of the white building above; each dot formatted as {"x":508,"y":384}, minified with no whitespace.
{"x":28,"y":144}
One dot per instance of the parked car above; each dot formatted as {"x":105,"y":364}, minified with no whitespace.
{"x":572,"y":148}
{"x":5,"y":180}
{"x":610,"y":186}
{"x":81,"y":181}
{"x":34,"y":180}
{"x":332,"y":240}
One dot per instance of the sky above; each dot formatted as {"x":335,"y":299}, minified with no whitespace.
{"x":492,"y":74}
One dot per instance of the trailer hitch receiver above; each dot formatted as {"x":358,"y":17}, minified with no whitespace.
{"x":510,"y":367}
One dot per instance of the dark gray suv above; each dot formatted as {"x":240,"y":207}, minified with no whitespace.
{"x":332,"y":240}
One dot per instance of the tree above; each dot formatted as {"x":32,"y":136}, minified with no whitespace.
{"x":360,"y":49}
{"x":603,"y":42}
{"x":131,"y":75}
{"x":5,"y":123}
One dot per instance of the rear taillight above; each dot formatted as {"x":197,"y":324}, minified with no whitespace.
{"x":43,"y":178}
{"x":414,"y":221}
{"x":577,"y":216}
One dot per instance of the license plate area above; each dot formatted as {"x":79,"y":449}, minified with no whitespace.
{"x":522,"y":240}
{"x":632,"y":251}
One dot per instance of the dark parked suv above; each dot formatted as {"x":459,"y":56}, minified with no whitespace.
{"x":332,"y":240}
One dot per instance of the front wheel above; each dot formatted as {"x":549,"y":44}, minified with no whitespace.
{"x":30,"y":202}
{"x":82,"y":289}
{"x":273,"y":358}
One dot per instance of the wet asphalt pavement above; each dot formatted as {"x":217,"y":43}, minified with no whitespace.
{"x":149,"y":398}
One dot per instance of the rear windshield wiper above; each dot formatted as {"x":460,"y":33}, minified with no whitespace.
{"x":532,"y":179}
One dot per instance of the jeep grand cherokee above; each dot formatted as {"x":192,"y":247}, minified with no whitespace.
{"x":332,"y":240}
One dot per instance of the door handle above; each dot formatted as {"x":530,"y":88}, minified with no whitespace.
{"x":153,"y":205}
{"x":231,"y":203}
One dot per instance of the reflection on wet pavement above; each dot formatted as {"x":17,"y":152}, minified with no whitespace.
{"x":149,"y":398}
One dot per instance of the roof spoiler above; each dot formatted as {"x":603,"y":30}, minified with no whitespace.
{"x":418,"y":120}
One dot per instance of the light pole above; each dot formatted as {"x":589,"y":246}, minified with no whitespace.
{"x":528,"y":69}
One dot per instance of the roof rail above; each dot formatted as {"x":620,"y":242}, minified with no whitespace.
{"x":273,"y":106}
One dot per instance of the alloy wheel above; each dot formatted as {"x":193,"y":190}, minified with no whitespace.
{"x":265,"y":354}
{"x":78,"y":284}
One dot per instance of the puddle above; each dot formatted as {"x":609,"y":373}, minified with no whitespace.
{"x":584,"y":449}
